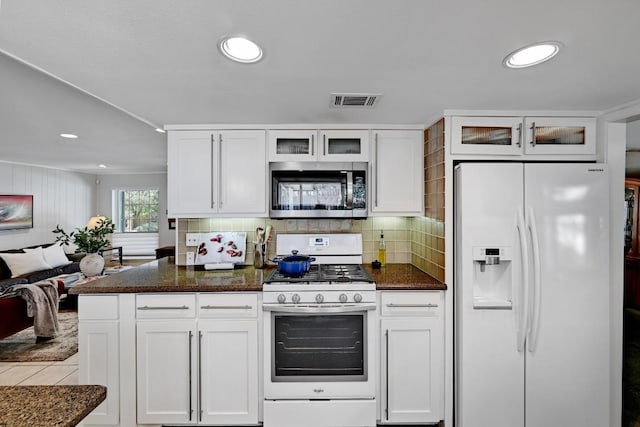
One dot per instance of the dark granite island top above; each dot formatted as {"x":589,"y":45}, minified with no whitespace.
{"x":48,"y":406}
{"x":164,"y":276}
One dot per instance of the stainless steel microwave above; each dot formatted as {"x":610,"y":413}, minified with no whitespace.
{"x":318,"y":190}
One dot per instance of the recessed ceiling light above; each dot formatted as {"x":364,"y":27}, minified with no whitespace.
{"x":68,"y":135}
{"x":102,"y":166}
{"x":240,"y":49}
{"x":531,"y":55}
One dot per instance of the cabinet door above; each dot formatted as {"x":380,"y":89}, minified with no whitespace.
{"x":228,"y":385}
{"x":486,"y":135}
{"x":412,"y":370}
{"x":166,"y":371}
{"x":190,"y":158}
{"x":397,"y":175}
{"x":344,"y":146}
{"x":292,"y":145}
{"x":99,"y":364}
{"x":242,"y":172}
{"x":560,"y":135}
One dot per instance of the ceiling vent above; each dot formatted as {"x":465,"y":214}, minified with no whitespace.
{"x":361,"y":100}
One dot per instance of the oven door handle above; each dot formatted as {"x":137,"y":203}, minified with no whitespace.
{"x":319,"y":308}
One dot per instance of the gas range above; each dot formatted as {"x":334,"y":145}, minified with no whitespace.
{"x":336,"y":277}
{"x":323,"y":284}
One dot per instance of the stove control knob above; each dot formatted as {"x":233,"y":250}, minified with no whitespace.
{"x":357,"y":298}
{"x":319,"y":298}
{"x":343,"y":298}
{"x":295,"y":298}
{"x":281,"y":298}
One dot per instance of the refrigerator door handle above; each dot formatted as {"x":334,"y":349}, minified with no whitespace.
{"x":532,"y":334}
{"x":521,"y":290}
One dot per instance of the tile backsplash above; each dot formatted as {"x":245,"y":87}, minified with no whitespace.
{"x":396,"y":233}
{"x":418,"y":241}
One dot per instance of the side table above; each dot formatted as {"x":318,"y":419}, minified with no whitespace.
{"x":117,"y":249}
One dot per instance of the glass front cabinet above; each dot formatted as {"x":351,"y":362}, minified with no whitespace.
{"x":523,"y":135}
{"x":347,"y":145}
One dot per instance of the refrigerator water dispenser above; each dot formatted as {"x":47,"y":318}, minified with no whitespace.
{"x":492,"y":278}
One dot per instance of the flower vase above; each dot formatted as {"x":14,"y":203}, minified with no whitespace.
{"x":92,"y":264}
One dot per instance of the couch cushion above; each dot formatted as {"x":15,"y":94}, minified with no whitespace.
{"x":24,"y":263}
{"x":7,"y":283}
{"x":36,"y":276}
{"x":5,"y":272}
{"x":53,"y":255}
{"x":71,"y":268}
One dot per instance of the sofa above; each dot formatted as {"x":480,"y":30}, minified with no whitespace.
{"x":13,"y":311}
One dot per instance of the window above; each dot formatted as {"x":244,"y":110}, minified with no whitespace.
{"x":137,"y":211}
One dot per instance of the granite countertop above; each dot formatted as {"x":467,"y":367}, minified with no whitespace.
{"x":48,"y":406}
{"x":403,"y":277}
{"x":164,"y":276}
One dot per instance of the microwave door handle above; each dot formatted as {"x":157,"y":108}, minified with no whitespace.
{"x":350,"y":190}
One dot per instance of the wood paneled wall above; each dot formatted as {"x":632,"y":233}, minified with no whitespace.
{"x":59,"y":197}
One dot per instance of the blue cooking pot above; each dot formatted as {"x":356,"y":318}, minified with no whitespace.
{"x":294,"y":265}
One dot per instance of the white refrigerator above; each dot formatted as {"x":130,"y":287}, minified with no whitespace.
{"x":531,"y":295}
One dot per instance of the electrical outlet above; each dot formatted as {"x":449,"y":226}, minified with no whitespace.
{"x":191,"y":258}
{"x":193,"y":239}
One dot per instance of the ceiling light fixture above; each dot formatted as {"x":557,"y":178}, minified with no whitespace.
{"x":68,"y":135}
{"x":531,"y":55}
{"x":102,"y":166}
{"x":240,"y":49}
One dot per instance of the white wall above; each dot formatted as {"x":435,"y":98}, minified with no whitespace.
{"x":59,"y":197}
{"x":136,"y":182}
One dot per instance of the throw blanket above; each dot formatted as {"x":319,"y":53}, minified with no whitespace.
{"x":42,"y":304}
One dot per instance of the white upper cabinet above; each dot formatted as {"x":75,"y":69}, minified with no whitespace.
{"x":217,"y":173}
{"x":292,"y":145}
{"x":397,"y":176}
{"x":346,"y":145}
{"x":517,"y":136}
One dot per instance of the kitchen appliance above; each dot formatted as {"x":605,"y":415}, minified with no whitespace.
{"x":318,"y":190}
{"x":532,"y":295}
{"x":320,"y":336}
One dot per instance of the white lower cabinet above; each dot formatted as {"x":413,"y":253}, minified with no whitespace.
{"x":412,"y":356}
{"x":197,"y":359}
{"x":166,"y":371}
{"x":228,"y":372}
{"x":197,"y":372}
{"x":98,"y":354}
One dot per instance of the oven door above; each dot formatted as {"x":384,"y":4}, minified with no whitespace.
{"x":319,"y":352}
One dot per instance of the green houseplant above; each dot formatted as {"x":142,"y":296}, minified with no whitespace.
{"x":89,"y":239}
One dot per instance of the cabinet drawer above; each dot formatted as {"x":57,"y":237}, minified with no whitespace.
{"x":102,"y":307}
{"x":165,"y":306}
{"x":228,"y":305}
{"x":408,"y":303}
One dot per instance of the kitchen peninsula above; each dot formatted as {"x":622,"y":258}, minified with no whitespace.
{"x":164,"y":276}
{"x":199,"y":331}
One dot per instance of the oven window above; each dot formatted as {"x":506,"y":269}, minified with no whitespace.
{"x":325,"y":347}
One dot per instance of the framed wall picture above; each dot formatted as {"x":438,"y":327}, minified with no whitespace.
{"x":16,"y":211}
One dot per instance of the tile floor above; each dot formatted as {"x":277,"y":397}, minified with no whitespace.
{"x":40,"y":373}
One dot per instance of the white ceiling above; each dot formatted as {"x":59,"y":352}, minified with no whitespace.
{"x":157,"y":59}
